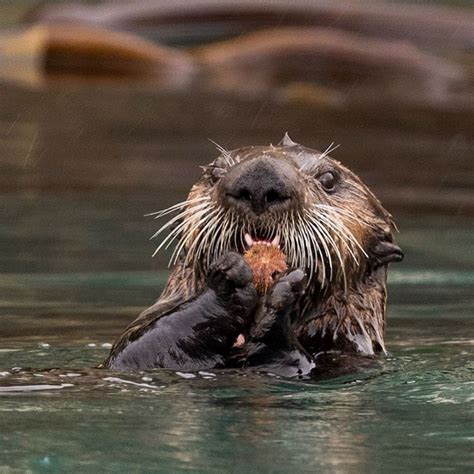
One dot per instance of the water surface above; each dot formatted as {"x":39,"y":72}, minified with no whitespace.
{"x":77,"y":268}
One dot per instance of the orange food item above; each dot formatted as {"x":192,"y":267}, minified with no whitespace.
{"x":266,"y":262}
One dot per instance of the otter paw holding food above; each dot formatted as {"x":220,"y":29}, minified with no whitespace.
{"x":231,"y":279}
{"x":197,"y":334}
{"x":272,"y":345}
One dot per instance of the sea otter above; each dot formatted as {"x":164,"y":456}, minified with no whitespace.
{"x":323,"y":313}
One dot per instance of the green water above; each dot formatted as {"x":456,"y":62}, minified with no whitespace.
{"x":76,"y":268}
{"x":82,"y":162}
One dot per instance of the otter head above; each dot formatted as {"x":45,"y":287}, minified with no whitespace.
{"x":321,"y":215}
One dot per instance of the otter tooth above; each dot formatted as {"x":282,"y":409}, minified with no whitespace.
{"x":248,"y":240}
{"x":276,"y":241}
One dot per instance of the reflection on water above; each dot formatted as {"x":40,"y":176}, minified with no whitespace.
{"x":77,"y":268}
{"x":217,"y":420}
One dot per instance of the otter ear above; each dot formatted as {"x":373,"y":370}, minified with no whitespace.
{"x":385,"y":252}
{"x":287,"y":141}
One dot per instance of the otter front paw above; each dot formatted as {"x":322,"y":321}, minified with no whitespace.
{"x":273,"y":345}
{"x":287,"y":290}
{"x":274,"y":312}
{"x":231,"y":279}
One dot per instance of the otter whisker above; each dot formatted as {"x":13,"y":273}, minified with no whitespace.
{"x":242,"y":240}
{"x":312,"y":245}
{"x":191,"y":210}
{"x":302,"y":240}
{"x":207,"y":233}
{"x":335,"y":247}
{"x":347,"y":232}
{"x":345,"y":240}
{"x":228,"y":234}
{"x":307,"y":166}
{"x":296,"y":249}
{"x":286,"y":239}
{"x":291,"y":242}
{"x":177,"y":231}
{"x":308,"y":241}
{"x":325,"y":237}
{"x":319,"y":255}
{"x":182,"y":243}
{"x":346,"y":213}
{"x":194,"y":222}
{"x":201,"y":225}
{"x":340,"y":231}
{"x":315,"y":226}
{"x":174,"y":233}
{"x":220,"y":243}
{"x":315,"y":253}
{"x":196,"y":249}
{"x":231,"y":233}
{"x":171,"y":209}
{"x":167,"y":241}
{"x":212,"y":236}
{"x":225,"y":153}
{"x":270,"y":232}
{"x":328,"y":150}
{"x":177,"y":206}
{"x":183,"y":218}
{"x":303,"y":243}
{"x":300,"y":244}
{"x":183,"y":239}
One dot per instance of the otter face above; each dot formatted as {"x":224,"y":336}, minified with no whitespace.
{"x":319,"y":213}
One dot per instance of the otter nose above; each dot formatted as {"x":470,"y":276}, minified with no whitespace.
{"x":260,"y":185}
{"x":258,"y":199}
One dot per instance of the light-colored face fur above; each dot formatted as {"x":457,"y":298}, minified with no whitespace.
{"x":328,"y":227}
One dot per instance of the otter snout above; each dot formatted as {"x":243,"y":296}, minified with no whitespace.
{"x":260,"y":184}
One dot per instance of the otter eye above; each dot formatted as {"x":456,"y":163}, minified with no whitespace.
{"x":328,"y":181}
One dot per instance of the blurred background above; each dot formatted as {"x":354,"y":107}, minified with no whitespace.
{"x":106,"y":109}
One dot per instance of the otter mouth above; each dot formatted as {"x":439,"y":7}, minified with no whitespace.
{"x":252,"y":241}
